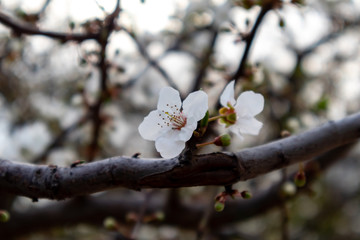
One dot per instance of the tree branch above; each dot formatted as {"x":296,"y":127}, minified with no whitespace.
{"x":31,"y":30}
{"x":77,"y":210}
{"x":40,"y":181}
{"x":249,"y":39}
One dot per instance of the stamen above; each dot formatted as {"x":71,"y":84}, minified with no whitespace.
{"x":176,"y":119}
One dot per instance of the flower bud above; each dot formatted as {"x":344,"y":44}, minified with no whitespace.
{"x":246,"y":195}
{"x":4,"y":216}
{"x":300,"y":179}
{"x":219,"y":206}
{"x":110,"y":223}
{"x":223,"y":140}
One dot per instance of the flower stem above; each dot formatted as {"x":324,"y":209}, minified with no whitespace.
{"x":199,"y":145}
{"x":215,"y":118}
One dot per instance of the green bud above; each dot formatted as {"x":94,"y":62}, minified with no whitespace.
{"x":219,"y":206}
{"x":110,"y":223}
{"x":300,"y":179}
{"x":223,"y":140}
{"x":246,"y":195}
{"x":4,"y":216}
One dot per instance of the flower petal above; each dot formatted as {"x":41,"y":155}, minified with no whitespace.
{"x":235,"y":129}
{"x":187,"y":131}
{"x":249,"y":104}
{"x":248,"y":125}
{"x":149,"y":128}
{"x":228,"y":94}
{"x":196,"y":105}
{"x":169,"y":99}
{"x":168,"y":148}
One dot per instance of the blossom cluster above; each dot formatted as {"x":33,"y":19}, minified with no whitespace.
{"x":173,"y":123}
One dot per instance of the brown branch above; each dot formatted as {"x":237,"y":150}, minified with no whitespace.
{"x":40,"y":181}
{"x":28,"y":29}
{"x":151,"y":61}
{"x":249,"y":40}
{"x":97,"y":121}
{"x":205,"y":61}
{"x":58,"y":140}
{"x":93,"y":210}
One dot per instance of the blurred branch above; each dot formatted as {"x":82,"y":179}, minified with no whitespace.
{"x":249,"y":40}
{"x":151,"y":61}
{"x":209,"y":169}
{"x":205,"y":61}
{"x":23,"y":28}
{"x":97,"y":121}
{"x":57,"y":141}
{"x":93,"y":210}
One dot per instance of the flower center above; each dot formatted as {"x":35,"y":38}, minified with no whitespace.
{"x":176,"y":119}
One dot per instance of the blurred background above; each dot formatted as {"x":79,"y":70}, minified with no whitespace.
{"x":63,"y":101}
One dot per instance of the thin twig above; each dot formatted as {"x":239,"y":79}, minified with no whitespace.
{"x":151,"y":61}
{"x":249,"y":40}
{"x":28,"y":29}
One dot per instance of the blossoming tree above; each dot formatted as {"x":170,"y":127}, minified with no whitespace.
{"x":254,"y":100}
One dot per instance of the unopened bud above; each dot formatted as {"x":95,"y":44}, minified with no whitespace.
{"x":246,"y":195}
{"x":300,"y":179}
{"x":288,"y":189}
{"x":219,"y":206}
{"x":223,"y":140}
{"x":110,"y":223}
{"x":4,"y":216}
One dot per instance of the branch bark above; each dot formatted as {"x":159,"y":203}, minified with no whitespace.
{"x":53,"y":182}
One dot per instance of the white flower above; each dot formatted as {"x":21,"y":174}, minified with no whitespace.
{"x":172,"y":124}
{"x":246,"y":107}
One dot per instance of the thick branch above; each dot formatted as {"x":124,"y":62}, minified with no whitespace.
{"x":40,"y":181}
{"x":77,"y":210}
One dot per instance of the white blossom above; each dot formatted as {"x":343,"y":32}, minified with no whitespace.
{"x":246,"y":107}
{"x":173,"y":123}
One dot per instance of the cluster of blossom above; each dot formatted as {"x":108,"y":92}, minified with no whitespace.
{"x":173,"y":123}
